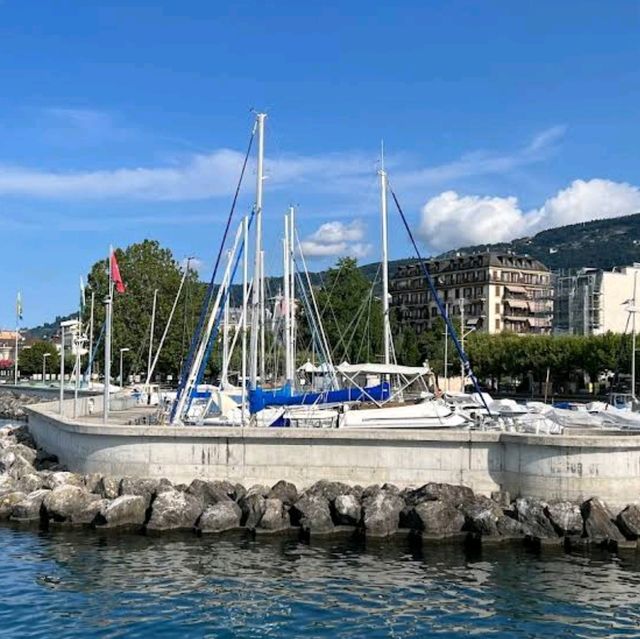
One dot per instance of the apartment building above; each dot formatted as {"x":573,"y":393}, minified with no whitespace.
{"x":591,"y":301}
{"x":494,"y":291}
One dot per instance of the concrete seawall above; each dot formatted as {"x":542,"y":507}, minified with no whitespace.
{"x":573,"y":467}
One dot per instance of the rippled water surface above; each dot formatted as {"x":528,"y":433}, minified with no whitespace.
{"x":77,"y":584}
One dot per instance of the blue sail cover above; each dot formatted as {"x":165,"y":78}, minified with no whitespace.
{"x":259,"y":398}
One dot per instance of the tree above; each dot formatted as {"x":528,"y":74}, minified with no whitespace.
{"x":31,"y":358}
{"x":351,"y":315}
{"x":144,"y":267}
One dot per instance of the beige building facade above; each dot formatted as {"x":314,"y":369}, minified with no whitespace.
{"x":492,"y":292}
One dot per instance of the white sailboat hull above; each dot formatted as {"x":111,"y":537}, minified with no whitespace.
{"x":428,"y":414}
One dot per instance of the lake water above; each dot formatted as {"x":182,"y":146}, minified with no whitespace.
{"x":83,"y":584}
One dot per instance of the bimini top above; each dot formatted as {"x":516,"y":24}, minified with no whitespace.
{"x":382,"y":369}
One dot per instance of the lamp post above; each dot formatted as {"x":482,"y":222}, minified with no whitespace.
{"x":63,"y":325}
{"x":122,"y":350}
{"x":44,"y":365}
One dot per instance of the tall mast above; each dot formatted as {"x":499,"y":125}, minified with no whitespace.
{"x":385,"y":259}
{"x":245,"y":291}
{"x":107,"y":342}
{"x":224,"y":381}
{"x":291,"y":309}
{"x":286,"y":281}
{"x":151,"y":332}
{"x":256,"y":314}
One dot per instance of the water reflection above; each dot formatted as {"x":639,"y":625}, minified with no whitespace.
{"x":84,"y":585}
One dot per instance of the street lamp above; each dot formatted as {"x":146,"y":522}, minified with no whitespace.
{"x":122,"y":350}
{"x":68,"y":324}
{"x":44,"y":365}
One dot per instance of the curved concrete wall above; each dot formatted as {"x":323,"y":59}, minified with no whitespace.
{"x":549,"y":466}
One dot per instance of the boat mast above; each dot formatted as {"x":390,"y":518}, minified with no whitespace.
{"x":256,"y":314}
{"x":151,"y":331}
{"x":224,"y":380}
{"x":245,"y":299}
{"x":291,"y":309}
{"x":286,"y":302}
{"x":385,"y":260}
{"x":633,"y":338}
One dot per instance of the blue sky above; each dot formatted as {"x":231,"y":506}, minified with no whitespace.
{"x":129,"y":121}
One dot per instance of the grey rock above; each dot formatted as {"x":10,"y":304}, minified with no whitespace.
{"x":29,"y":454}
{"x":211,"y":492}
{"x":91,"y":482}
{"x":629,"y":521}
{"x":147,"y":488}
{"x":565,"y":517}
{"x":8,"y":501}
{"x":532,"y":513}
{"x":28,"y":509}
{"x":433,"y":491}
{"x":53,"y":480}
{"x":30,"y":482}
{"x":88,"y":514}
{"x":437,"y":518}
{"x":13,"y":463}
{"x":313,"y":514}
{"x":8,"y":484}
{"x":275,"y":517}
{"x":347,"y":510}
{"x":221,"y":516}
{"x":598,"y":524}
{"x":108,"y":487}
{"x":69,"y":504}
{"x":174,"y":510}
{"x":329,"y":489}
{"x":123,"y":511}
{"x":509,"y":527}
{"x":381,"y":513}
{"x":253,"y":505}
{"x":285,"y":491}
{"x":482,"y":516}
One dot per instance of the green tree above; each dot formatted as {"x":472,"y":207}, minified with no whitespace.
{"x":31,"y":358}
{"x":351,"y":314}
{"x":144,"y":267}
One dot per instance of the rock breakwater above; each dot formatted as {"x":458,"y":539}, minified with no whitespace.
{"x":36,"y":490}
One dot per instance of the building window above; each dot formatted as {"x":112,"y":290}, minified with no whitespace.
{"x":498,"y":308}
{"x":497,"y":290}
{"x":497,"y":324}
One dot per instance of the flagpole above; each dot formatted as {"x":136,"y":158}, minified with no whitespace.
{"x":107,"y":342}
{"x":93,"y":295}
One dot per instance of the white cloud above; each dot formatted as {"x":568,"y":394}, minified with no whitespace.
{"x":333,"y":239}
{"x":214,"y":174}
{"x":450,"y":220}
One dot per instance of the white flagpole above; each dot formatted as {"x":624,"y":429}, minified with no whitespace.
{"x":107,"y":343}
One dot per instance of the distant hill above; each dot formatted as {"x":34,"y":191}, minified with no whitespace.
{"x":599,"y":244}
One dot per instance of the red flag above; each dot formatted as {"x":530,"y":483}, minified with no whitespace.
{"x":115,"y":274}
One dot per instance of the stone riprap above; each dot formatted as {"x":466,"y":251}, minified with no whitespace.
{"x":36,"y":490}
{"x":12,"y":403}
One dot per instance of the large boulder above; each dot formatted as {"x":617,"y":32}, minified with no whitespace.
{"x":437,"y":518}
{"x":347,"y":510}
{"x":482,"y":516}
{"x":14,"y":464}
{"x":211,"y":492}
{"x":285,"y":491}
{"x":629,"y":521}
{"x":8,"y":501}
{"x":146,"y":488}
{"x":91,"y":482}
{"x":598,"y":522}
{"x":70,"y":504}
{"x":312,"y":513}
{"x":28,"y":509}
{"x":174,"y":510}
{"x":433,"y":491}
{"x":29,"y":454}
{"x":219,"y":517}
{"x":531,"y":513}
{"x":275,"y":517}
{"x":565,"y":517}
{"x":30,"y":482}
{"x":123,"y":511}
{"x":108,"y":487}
{"x":329,"y":489}
{"x":8,"y":484}
{"x":253,"y":505}
{"x":381,"y":512}
{"x":53,"y":480}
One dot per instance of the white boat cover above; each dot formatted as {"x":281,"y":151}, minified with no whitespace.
{"x":382,"y":369}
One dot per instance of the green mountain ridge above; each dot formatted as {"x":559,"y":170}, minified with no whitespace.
{"x":604,"y":243}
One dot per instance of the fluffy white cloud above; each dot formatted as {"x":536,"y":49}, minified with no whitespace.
{"x":336,"y":239}
{"x":450,"y":220}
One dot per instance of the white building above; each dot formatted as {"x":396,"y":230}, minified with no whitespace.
{"x":592,"y":302}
